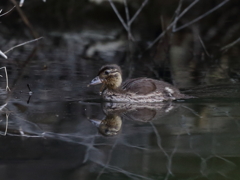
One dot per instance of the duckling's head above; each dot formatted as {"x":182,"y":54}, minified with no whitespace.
{"x":110,"y":76}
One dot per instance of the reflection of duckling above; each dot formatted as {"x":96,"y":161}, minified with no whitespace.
{"x":110,"y":126}
{"x":112,"y":123}
{"x":133,"y":90}
{"x":139,"y":112}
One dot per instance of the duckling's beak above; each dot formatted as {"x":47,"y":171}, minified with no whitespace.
{"x":95,"y":81}
{"x":95,"y":122}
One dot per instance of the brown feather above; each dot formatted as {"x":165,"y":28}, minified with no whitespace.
{"x":146,"y":86}
{"x":139,"y":86}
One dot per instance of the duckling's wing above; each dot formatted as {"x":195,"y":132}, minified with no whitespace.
{"x":139,"y":86}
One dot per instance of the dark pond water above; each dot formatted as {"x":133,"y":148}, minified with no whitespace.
{"x":60,"y":129}
{"x":56,"y":133}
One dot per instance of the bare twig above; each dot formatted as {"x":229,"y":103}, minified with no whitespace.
{"x":202,"y":16}
{"x":25,"y":19}
{"x":5,"y":133}
{"x":21,"y":3}
{"x":177,"y":12}
{"x":126,"y":11}
{"x":203,"y":45}
{"x":7,"y":11}
{"x":128,"y":19}
{"x":7,"y":88}
{"x":3,"y":55}
{"x":173,"y":23}
{"x":230,"y":45}
{"x":3,"y":106}
{"x":185,"y":11}
{"x":22,"y":44}
{"x":160,"y":36}
{"x":126,"y":26}
{"x":138,"y":11}
{"x":118,"y":15}
{"x":162,"y":23}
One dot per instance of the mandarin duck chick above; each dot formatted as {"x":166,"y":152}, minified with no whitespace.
{"x":133,"y":90}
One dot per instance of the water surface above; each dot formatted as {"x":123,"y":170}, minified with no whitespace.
{"x":56,"y":132}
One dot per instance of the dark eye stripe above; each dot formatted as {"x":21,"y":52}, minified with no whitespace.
{"x":107,"y":70}
{"x":114,"y":68}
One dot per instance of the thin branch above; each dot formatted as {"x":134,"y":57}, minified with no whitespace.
{"x":22,"y":44}
{"x":3,"y":55}
{"x":7,"y":11}
{"x":161,"y":35}
{"x":127,"y":27}
{"x":5,"y":133}
{"x":128,"y":19}
{"x":21,"y":3}
{"x":203,"y":45}
{"x":3,"y":106}
{"x":162,"y":23}
{"x":230,"y":45}
{"x":118,"y":15}
{"x":185,"y":10}
{"x":173,"y":23}
{"x":177,"y":12}
{"x":202,"y":16}
{"x":25,"y":19}
{"x":138,"y":11}
{"x":7,"y":88}
{"x":127,"y":12}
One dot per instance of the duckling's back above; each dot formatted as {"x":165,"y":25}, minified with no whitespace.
{"x":146,"y":86}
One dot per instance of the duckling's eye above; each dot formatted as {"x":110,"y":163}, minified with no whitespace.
{"x":106,"y":72}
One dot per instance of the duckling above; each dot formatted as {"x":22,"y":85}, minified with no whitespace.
{"x":133,"y":90}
